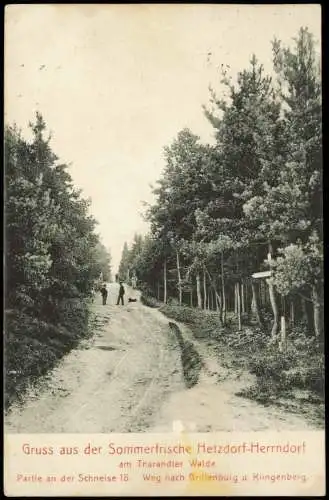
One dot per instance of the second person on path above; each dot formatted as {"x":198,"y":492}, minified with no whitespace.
{"x":104,"y":292}
{"x":121,"y":294}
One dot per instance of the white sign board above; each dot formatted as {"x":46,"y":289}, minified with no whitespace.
{"x":262,"y":274}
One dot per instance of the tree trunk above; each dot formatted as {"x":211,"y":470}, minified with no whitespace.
{"x":235,"y":299}
{"x":217,"y":302}
{"x":204,"y":290}
{"x":179,"y":280}
{"x":273,"y":299}
{"x":262,"y":293}
{"x":239,"y":304}
{"x":255,"y":305}
{"x":223,"y":290}
{"x":307,"y":313}
{"x":243,"y":303}
{"x":248,"y":301}
{"x":292,"y":313}
{"x":283,"y":342}
{"x":165,"y":281}
{"x":218,"y":299}
{"x":275,"y":309}
{"x":265,"y":295}
{"x":191,"y":296}
{"x":198,"y":291}
{"x":318,"y":329}
{"x":158,"y":294}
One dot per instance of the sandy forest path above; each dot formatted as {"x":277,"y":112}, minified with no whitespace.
{"x":128,"y":378}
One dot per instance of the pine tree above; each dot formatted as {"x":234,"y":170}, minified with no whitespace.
{"x":50,"y":256}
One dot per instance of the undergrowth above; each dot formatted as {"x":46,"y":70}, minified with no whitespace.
{"x":33,"y":346}
{"x":296,"y":373}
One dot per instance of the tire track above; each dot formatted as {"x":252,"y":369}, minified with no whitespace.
{"x":160,"y":355}
{"x":106,"y":390}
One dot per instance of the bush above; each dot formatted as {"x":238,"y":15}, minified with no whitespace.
{"x":34,"y":346}
{"x":268,"y":363}
{"x":204,"y":324}
{"x":300,"y":366}
{"x":149,"y":301}
{"x":53,"y":258}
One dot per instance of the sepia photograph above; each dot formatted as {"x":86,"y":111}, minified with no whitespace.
{"x":163,"y":219}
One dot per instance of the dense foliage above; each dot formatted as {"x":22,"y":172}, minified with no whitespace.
{"x":53,"y":258}
{"x":251,"y":202}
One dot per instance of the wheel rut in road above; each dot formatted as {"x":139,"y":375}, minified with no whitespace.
{"x":138,"y":374}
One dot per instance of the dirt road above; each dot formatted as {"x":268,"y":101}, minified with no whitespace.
{"x":129,"y":378}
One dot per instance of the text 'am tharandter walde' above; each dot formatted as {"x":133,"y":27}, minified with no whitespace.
{"x":203,"y":447}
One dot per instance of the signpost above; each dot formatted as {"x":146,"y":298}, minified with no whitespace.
{"x":262,"y":274}
{"x":266,"y":275}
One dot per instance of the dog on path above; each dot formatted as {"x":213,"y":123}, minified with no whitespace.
{"x":132,"y":300}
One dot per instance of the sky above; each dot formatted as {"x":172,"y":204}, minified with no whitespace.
{"x":116,"y":83}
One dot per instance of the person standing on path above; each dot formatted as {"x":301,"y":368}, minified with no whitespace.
{"x":104,"y":294}
{"x":121,"y":294}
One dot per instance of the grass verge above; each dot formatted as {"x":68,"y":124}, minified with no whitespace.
{"x":33,"y":347}
{"x":293,"y":379}
{"x":191,"y":360}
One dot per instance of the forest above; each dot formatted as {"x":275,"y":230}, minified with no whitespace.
{"x":53,"y":259}
{"x":236,"y":228}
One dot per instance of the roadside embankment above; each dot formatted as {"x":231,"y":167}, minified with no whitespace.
{"x":292,"y":380}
